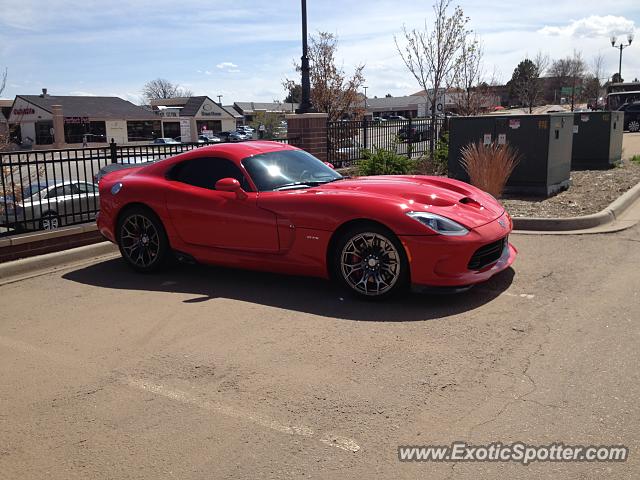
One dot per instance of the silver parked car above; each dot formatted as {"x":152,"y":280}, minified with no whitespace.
{"x":42,"y":206}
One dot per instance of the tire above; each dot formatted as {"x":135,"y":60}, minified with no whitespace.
{"x":378,"y":254}
{"x":142,"y":240}
{"x":49,"y":221}
{"x":634,"y":125}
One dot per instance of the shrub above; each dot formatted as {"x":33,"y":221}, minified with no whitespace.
{"x":636,"y":159}
{"x":489,"y":166}
{"x":384,"y":161}
{"x":435,"y":164}
{"x":441,"y":154}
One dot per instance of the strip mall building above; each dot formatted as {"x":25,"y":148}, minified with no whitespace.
{"x":47,"y":121}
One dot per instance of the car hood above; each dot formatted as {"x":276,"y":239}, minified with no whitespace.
{"x":457,"y":200}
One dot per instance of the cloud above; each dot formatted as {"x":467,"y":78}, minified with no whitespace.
{"x":80,"y":93}
{"x":227,"y":66}
{"x":591,"y":27}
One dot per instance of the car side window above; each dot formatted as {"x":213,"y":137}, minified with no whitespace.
{"x":87,"y":188}
{"x":205,"y":172}
{"x":62,"y":190}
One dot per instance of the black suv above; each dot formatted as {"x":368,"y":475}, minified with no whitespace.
{"x":631,"y":116}
{"x":414,"y":133}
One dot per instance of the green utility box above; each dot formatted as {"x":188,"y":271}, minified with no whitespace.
{"x":543,"y":141}
{"x":597,"y":140}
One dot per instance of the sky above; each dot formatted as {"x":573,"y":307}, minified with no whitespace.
{"x":244,"y":50}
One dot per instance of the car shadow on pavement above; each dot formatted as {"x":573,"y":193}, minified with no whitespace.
{"x":309,"y":295}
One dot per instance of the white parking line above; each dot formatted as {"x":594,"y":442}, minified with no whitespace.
{"x":337,"y":441}
{"x":528,"y":296}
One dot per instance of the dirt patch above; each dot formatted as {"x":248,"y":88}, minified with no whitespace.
{"x":590,"y":192}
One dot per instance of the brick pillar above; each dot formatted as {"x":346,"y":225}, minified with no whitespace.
{"x":309,"y":132}
{"x":194,"y":130}
{"x":58,"y":126}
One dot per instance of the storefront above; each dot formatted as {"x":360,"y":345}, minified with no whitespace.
{"x":186,"y":118}
{"x":81,"y":120}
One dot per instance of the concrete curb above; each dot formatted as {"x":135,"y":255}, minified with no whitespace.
{"x":608,"y":215}
{"x":28,"y":266}
{"x":21,"y":239}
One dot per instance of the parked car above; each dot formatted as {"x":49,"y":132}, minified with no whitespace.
{"x":164,"y":141}
{"x":212,"y":139}
{"x":348,"y":149}
{"x":395,"y":117}
{"x":414,"y":133}
{"x":42,"y":206}
{"x":273,"y":207}
{"x":247,"y":129}
{"x":631,"y":116}
{"x":231,"y":136}
{"x":378,"y":120}
{"x":239,"y":135}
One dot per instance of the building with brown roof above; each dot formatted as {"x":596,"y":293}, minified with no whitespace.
{"x":34,"y":120}
{"x":187,"y":117}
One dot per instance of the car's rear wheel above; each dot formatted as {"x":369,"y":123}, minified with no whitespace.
{"x":142,"y":240}
{"x":49,"y":221}
{"x":370,"y":261}
{"x":634,"y":126}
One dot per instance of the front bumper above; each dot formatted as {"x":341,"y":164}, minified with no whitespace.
{"x":441,"y":261}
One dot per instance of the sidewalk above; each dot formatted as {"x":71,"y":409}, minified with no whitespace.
{"x":630,"y":145}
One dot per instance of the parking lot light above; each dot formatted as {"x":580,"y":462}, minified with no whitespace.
{"x":621,"y":46}
{"x":305,"y":101}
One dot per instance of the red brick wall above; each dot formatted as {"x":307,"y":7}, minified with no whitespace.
{"x":309,"y":132}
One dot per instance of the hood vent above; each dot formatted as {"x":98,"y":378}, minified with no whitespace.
{"x":470,"y":201}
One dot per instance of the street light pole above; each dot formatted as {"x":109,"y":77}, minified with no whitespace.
{"x":305,"y":101}
{"x":621,"y":47}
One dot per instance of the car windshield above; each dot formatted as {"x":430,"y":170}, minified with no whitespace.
{"x":288,"y":169}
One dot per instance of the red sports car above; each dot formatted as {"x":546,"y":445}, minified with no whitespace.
{"x":270,"y":206}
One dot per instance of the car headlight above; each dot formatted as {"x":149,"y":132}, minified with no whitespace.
{"x":439,"y":224}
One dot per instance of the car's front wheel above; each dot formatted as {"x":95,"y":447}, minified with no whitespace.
{"x":370,"y":261}
{"x":142,"y":240}
{"x":634,"y":126}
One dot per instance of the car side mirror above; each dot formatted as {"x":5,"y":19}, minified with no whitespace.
{"x":330,"y":165}
{"x":231,"y":185}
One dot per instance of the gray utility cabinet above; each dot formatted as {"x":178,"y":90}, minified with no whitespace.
{"x":543,"y":141}
{"x":597,"y":140}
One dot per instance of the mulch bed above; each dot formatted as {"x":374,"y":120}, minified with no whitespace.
{"x":590,"y":192}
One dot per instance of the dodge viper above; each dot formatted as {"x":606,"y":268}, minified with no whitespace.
{"x":270,"y":206}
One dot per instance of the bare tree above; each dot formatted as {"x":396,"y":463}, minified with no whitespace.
{"x":577,"y":73}
{"x":3,"y":80}
{"x":593,"y":81}
{"x":431,"y":55}
{"x":4,"y":124}
{"x":570,"y":72}
{"x":162,"y":88}
{"x":472,"y":92}
{"x":332,"y":90}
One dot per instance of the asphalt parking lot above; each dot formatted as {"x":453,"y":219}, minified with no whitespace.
{"x":203,"y":373}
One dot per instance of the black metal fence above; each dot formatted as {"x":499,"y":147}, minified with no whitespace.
{"x":346,"y":140}
{"x":48,"y":189}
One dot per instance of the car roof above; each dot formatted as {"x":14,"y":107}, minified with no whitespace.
{"x":232,"y":151}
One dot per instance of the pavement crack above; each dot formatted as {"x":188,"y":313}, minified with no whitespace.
{"x":522,"y":397}
{"x":630,"y":239}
